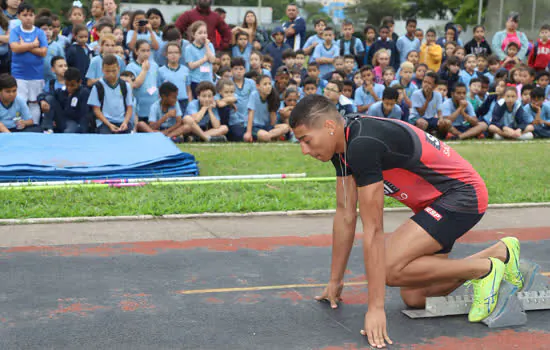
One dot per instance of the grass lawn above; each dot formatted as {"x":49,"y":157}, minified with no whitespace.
{"x":513,"y":173}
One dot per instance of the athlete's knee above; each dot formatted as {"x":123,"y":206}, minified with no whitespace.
{"x":413,"y":298}
{"x":394,"y":271}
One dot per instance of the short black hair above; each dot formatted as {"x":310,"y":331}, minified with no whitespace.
{"x":312,"y":65}
{"x":72,"y":74}
{"x":528,"y":87}
{"x":55,"y":59}
{"x":537,"y":92}
{"x":492,"y":60}
{"x":501,"y":74}
{"x":348,"y":82}
{"x":220,"y":11}
{"x":475,"y":80}
{"x":43,"y":21}
{"x":349,"y":57}
{"x":109,"y":60}
{"x":128,"y":74}
{"x":340,"y":73}
{"x":309,"y":81}
{"x":452,"y":61}
{"x":511,"y":43}
{"x":544,"y":73}
{"x":241,"y":33}
{"x":459,"y":85}
{"x":223,"y":70}
{"x":484,"y":80}
{"x":102,"y":24}
{"x":167,"y":88}
{"x":238,"y":62}
{"x":545,"y":27}
{"x":390,"y":93}
{"x":329,"y":29}
{"x":319,"y":20}
{"x":288,"y":53}
{"x":300,"y":52}
{"x":411,"y":20}
{"x":251,"y":75}
{"x":25,"y":6}
{"x":7,"y":81}
{"x":205,"y":86}
{"x":347,"y":22}
{"x":432,"y":75}
{"x":441,"y":82}
{"x":311,"y":109}
{"x":431,"y":30}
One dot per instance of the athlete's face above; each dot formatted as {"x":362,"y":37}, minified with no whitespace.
{"x":319,"y":141}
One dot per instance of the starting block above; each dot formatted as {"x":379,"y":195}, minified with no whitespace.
{"x":511,"y":305}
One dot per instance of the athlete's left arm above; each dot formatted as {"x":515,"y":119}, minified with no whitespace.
{"x":371,"y":205}
{"x":371,"y":209}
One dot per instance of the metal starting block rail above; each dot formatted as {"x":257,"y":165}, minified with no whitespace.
{"x":511,"y":305}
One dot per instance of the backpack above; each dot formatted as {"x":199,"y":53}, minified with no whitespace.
{"x":101,"y":92}
{"x":359,"y":58}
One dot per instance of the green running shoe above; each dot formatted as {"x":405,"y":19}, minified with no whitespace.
{"x":512,"y":273}
{"x":486,"y":292}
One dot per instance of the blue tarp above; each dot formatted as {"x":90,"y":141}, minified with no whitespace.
{"x":56,"y":157}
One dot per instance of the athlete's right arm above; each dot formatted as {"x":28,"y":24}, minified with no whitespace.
{"x":343,"y":234}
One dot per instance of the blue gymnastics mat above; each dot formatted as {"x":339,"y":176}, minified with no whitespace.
{"x":57,"y":157}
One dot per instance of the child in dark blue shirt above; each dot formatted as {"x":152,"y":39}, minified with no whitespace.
{"x":79,"y":54}
{"x":69,"y":107}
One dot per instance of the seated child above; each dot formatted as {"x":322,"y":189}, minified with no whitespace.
{"x":333,"y":92}
{"x":14,"y":112}
{"x":310,"y":87}
{"x":387,"y":108}
{"x":69,"y":107}
{"x":405,"y":109}
{"x":290,"y":100}
{"x":204,"y":112}
{"x":262,"y":113}
{"x":508,"y":120}
{"x":539,"y":113}
{"x":426,"y":108}
{"x":460,"y":112}
{"x":165,"y":114}
{"x":111,"y":100}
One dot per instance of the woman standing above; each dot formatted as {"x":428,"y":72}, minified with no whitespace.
{"x":256,"y":35}
{"x":511,"y":34}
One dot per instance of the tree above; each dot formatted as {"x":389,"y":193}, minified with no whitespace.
{"x":372,"y":11}
{"x":428,"y":9}
{"x":465,"y":11}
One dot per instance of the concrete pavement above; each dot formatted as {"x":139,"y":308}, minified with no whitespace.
{"x":271,"y":226}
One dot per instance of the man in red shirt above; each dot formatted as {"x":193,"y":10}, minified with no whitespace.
{"x":374,"y":157}
{"x":214,"y":23}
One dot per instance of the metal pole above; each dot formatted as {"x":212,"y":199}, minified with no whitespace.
{"x":479,"y":12}
{"x":533,"y":16}
{"x":500,"y":13}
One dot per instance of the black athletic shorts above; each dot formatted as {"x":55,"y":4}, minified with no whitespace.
{"x":445,"y":226}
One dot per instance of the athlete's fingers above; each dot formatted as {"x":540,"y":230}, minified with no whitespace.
{"x":388,"y":340}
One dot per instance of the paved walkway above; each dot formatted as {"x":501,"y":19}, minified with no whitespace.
{"x":154,"y":230}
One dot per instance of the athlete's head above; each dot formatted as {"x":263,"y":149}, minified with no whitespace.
{"x":318,"y":126}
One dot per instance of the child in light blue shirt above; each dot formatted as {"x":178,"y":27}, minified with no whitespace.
{"x":145,"y":85}
{"x":324,"y":54}
{"x":14,"y":113}
{"x":243,"y":48}
{"x":177,"y":74}
{"x":387,"y":108}
{"x":199,"y":56}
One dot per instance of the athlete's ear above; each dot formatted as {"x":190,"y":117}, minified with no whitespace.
{"x":330,"y":125}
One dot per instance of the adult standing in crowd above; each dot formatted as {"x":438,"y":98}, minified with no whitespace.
{"x":295,"y":28}
{"x":214,"y":23}
{"x":110,"y":11}
{"x":257,"y":36}
{"x":502,"y":39}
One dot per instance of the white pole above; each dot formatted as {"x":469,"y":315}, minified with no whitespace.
{"x":163,"y":179}
{"x":479,"y":12}
{"x":500,"y":14}
{"x":259,"y":13}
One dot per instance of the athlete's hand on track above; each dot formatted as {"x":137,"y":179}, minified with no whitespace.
{"x":332,"y":293}
{"x":375,"y":328}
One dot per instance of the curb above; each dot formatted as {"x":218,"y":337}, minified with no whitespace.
{"x":227,"y":215}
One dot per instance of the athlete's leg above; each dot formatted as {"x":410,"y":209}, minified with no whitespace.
{"x":416,"y":297}
{"x":411,"y":260}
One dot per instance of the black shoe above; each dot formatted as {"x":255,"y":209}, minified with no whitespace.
{"x":218,"y":139}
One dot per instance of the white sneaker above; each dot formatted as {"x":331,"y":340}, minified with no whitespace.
{"x":498,"y":137}
{"x":527,"y":136}
{"x":49,"y":131}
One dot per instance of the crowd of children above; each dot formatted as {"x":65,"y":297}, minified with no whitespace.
{"x":135,"y":73}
